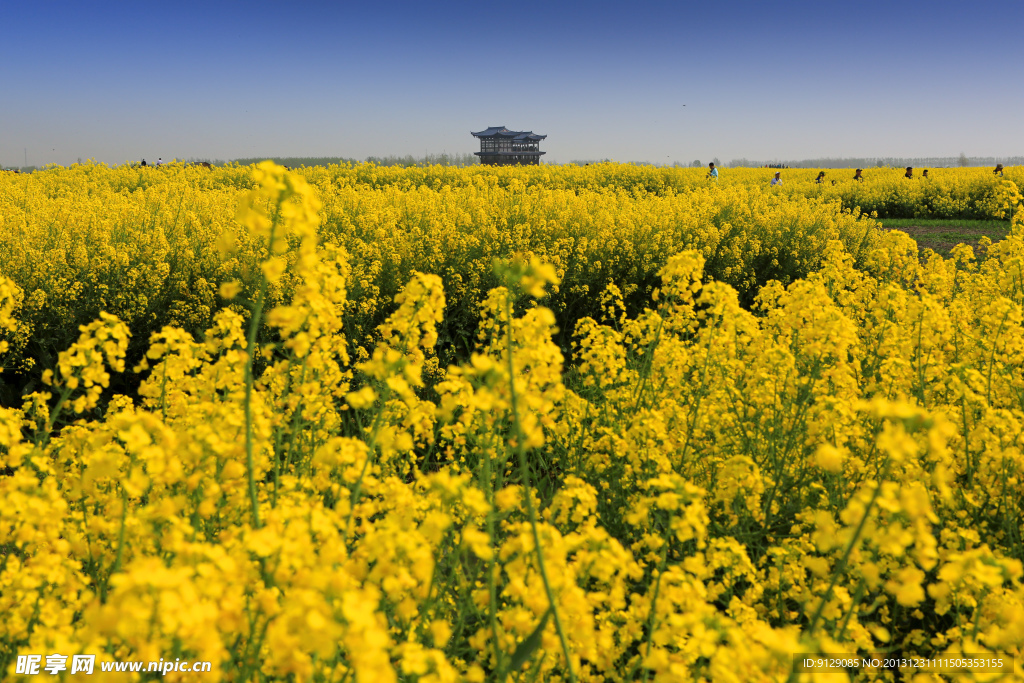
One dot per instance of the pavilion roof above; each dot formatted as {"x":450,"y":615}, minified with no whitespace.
{"x":503,"y":132}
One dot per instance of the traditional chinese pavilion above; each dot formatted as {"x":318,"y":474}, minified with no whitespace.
{"x":501,"y":146}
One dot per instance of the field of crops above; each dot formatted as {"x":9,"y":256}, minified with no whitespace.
{"x":600,"y":423}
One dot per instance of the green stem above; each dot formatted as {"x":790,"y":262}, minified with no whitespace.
{"x":370,"y":448}
{"x":841,"y":566}
{"x":654,"y":607}
{"x":524,"y":469}
{"x":492,"y":589}
{"x":648,"y":362}
{"x":858,"y":594}
{"x":992,"y":358}
{"x":296,"y":422}
{"x":53,"y":417}
{"x":120,"y":544}
{"x":700,"y":392}
{"x":250,"y":347}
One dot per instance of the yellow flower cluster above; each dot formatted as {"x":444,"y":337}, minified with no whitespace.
{"x":701,"y":491}
{"x":945,"y":193}
{"x":170,"y":247}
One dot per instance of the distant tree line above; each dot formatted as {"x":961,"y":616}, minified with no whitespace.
{"x":696,"y":163}
{"x":443,"y":159}
{"x":880,"y":162}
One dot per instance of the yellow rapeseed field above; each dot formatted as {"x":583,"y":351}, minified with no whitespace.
{"x":602,"y":423}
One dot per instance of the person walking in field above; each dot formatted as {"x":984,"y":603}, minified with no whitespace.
{"x":998,"y":170}
{"x":777,"y":180}
{"x":909,"y":173}
{"x":924,"y":174}
{"x":713,"y":173}
{"x":821,"y":177}
{"x":857,"y":175}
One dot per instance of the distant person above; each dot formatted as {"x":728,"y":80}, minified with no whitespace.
{"x":821,"y":177}
{"x":160,"y":162}
{"x":998,"y":170}
{"x":924,"y":174}
{"x":777,"y":180}
{"x":713,"y":173}
{"x":143,"y":162}
{"x":857,"y":175}
{"x":909,"y":173}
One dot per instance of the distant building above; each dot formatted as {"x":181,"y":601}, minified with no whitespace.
{"x":500,"y":146}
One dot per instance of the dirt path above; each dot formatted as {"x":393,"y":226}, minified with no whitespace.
{"x":942,"y":239}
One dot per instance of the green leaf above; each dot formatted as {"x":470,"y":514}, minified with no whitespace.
{"x":530,"y":644}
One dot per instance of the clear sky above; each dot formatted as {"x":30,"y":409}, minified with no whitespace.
{"x":630,"y":81}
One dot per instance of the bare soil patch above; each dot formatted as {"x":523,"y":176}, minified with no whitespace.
{"x":942,"y":238}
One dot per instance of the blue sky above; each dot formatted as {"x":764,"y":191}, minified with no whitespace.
{"x":645,"y":81}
